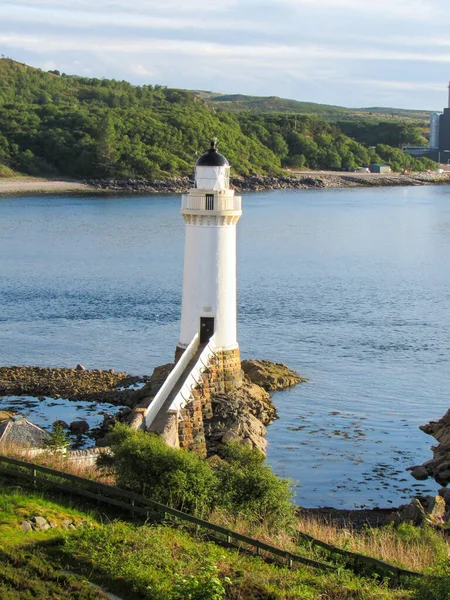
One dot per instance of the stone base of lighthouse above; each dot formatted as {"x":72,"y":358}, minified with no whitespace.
{"x":223,"y":374}
{"x":225,"y":366}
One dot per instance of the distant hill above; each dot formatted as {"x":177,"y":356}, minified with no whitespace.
{"x":274,"y":104}
{"x":84,"y":127}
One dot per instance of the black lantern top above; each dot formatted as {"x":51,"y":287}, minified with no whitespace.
{"x":212,"y":158}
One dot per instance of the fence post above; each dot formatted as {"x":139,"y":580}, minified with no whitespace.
{"x":34,"y":478}
{"x":288,"y":560}
{"x":132,"y":508}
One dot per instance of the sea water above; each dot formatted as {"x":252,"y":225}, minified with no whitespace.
{"x":351,"y":287}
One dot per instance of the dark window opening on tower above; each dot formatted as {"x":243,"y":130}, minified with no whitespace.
{"x":209,"y":201}
{"x":206,"y":329}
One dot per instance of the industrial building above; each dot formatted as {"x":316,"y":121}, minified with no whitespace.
{"x":438,"y":148}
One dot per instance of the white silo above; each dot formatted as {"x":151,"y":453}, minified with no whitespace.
{"x":434,"y":130}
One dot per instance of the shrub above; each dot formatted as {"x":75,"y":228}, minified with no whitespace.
{"x":247,"y":485}
{"x":144,"y":464}
{"x":240,"y":483}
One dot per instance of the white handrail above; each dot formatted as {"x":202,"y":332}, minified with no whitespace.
{"x":194,"y":377}
{"x":163,"y":393}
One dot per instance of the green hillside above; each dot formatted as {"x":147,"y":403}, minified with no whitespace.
{"x":86,"y":127}
{"x":274,"y":104}
{"x":52,"y":124}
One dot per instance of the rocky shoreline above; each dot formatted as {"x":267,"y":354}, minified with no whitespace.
{"x":299,"y":181}
{"x":251,"y":183}
{"x":240,"y":415}
{"x":439,"y":466}
{"x":75,"y":384}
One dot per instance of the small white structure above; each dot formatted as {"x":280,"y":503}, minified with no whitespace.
{"x":211,"y":211}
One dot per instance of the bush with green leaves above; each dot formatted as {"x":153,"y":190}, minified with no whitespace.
{"x":241,"y":482}
{"x":144,"y":464}
{"x":247,"y":485}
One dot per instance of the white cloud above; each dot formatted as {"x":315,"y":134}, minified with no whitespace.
{"x":136,"y":6}
{"x":72,"y":19}
{"x":332,"y":51}
{"x":274,"y":53}
{"x":388,"y":9}
{"x":143,"y":71}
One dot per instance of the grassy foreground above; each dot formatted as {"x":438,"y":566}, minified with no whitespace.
{"x":159,"y":562}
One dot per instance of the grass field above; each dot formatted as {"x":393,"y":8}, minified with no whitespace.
{"x":135,"y":561}
{"x":160,"y":562}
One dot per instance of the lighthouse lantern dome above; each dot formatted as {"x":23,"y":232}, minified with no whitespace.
{"x":212,"y":171}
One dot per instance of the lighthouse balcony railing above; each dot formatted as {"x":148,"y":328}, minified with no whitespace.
{"x":211,"y":202}
{"x":194,"y":378}
{"x":167,"y":387}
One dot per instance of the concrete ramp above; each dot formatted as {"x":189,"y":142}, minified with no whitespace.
{"x":161,"y":419}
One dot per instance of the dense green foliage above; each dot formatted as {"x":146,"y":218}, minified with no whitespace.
{"x":52,"y":124}
{"x":81,"y":127}
{"x":308,"y":141}
{"x":374,"y":132}
{"x":6,"y":172}
{"x":241,"y":483}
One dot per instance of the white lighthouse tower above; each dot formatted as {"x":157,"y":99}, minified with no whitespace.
{"x":211,"y":211}
{"x":207,"y":356}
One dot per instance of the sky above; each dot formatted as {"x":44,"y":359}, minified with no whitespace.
{"x":353,"y":53}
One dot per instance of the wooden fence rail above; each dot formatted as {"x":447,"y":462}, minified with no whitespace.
{"x":150,"y":509}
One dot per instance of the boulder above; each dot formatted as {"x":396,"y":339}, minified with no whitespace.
{"x":239,"y":416}
{"x":40,"y":523}
{"x":412,"y":513}
{"x":430,"y":509}
{"x":445,"y":493}
{"x":65,"y":523}
{"x":80,"y":368}
{"x":26,"y":526}
{"x":79,"y":426}
{"x":61,"y":423}
{"x":434,"y":507}
{"x":230,"y":436}
{"x":419,"y":473}
{"x":439,"y":466}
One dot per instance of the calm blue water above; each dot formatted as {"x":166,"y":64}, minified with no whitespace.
{"x":350,"y":287}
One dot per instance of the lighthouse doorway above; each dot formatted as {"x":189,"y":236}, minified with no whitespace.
{"x":206,"y":329}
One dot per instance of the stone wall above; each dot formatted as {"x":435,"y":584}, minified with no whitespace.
{"x":222,"y":375}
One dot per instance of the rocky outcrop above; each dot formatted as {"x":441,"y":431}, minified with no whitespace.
{"x":430,"y":509}
{"x":239,"y":416}
{"x":74,"y":384}
{"x":227,"y":405}
{"x":439,"y":466}
{"x":270,"y":376}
